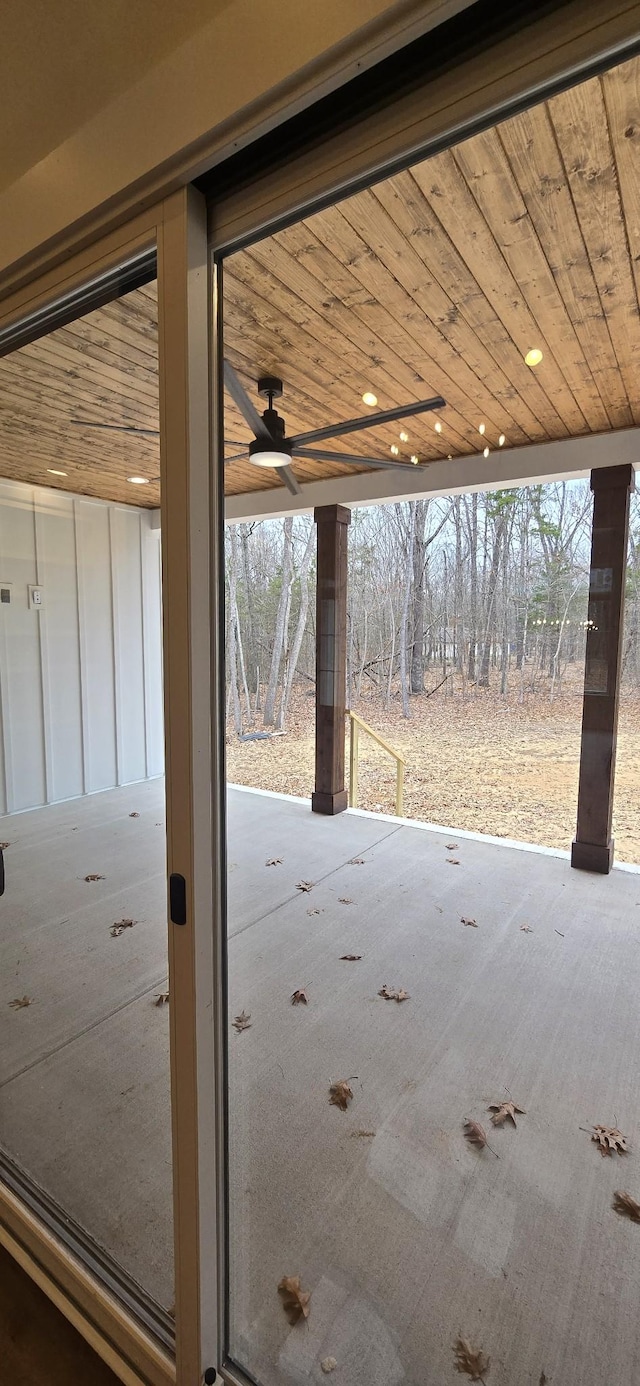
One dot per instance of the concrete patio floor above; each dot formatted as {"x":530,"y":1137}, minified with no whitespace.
{"x":405,"y":1236}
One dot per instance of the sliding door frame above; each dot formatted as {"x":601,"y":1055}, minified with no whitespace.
{"x":176,"y":230}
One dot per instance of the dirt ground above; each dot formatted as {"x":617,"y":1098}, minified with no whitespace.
{"x":485,"y":763}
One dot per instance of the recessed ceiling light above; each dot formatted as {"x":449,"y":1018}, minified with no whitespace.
{"x":54,"y":472}
{"x":370,"y":399}
{"x":481,"y":428}
{"x":395,"y":450}
{"x":404,"y":437}
{"x":501,"y":440}
{"x":138,"y":480}
{"x":449,"y":457}
{"x":438,"y":426}
{"x":533,"y":357}
{"x":485,"y":452}
{"x":414,"y":459}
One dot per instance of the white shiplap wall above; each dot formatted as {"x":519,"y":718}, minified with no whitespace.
{"x":81,"y":679}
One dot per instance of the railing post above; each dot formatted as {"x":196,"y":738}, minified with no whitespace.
{"x":592,"y":849}
{"x":354,"y":751}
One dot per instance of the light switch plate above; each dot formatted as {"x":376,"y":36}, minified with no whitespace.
{"x":35,"y":598}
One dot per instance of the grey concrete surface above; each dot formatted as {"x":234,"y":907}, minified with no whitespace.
{"x":405,"y":1236}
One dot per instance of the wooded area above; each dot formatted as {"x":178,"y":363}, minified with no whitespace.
{"x":457,"y":593}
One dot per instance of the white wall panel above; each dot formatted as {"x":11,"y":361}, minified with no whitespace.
{"x":126,"y":572}
{"x":93,"y":547}
{"x":80,"y":679}
{"x":23,"y":729}
{"x":59,"y":646}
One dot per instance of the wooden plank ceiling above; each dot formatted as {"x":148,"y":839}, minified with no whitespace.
{"x":437,"y":281}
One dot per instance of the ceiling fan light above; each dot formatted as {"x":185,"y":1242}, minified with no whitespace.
{"x":138,"y":480}
{"x":370,"y":399}
{"x":54,"y":472}
{"x":267,"y":454}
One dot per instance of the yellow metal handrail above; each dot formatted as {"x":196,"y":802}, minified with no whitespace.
{"x":355,"y":723}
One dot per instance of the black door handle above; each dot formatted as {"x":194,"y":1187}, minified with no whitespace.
{"x":1,"y":872}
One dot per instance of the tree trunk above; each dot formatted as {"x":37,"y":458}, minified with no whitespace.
{"x":404,"y":627}
{"x":301,"y":626}
{"x":417,"y":606}
{"x":269,"y":715}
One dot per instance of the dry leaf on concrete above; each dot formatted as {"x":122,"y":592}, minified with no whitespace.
{"x":20,"y":1002}
{"x":299,"y":996}
{"x":610,"y":1139}
{"x":526,"y":929}
{"x":241,"y":1022}
{"x":470,"y":922}
{"x":162,"y":998}
{"x":314,"y":911}
{"x":393,"y":993}
{"x":117,"y":929}
{"x":357,"y":861}
{"x":626,"y":1205}
{"x":340,"y":1094}
{"x":503,"y":1111}
{"x":362,"y":1135}
{"x":94,"y":877}
{"x":543,"y":1379}
{"x":134,"y":815}
{"x":344,"y":900}
{"x":470,"y":1360}
{"x":453,"y":861}
{"x":304,"y":885}
{"x":351,"y":957}
{"x":451,"y":846}
{"x":4,"y":845}
{"x":328,"y":1364}
{"x":475,"y":1134}
{"x":274,"y":861}
{"x":295,"y":1300}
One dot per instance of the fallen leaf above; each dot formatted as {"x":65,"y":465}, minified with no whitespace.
{"x":162,"y":998}
{"x":340,"y":1094}
{"x":502,"y":1110}
{"x":526,"y":929}
{"x":298,"y":996}
{"x":274,"y":861}
{"x":610,"y":1139}
{"x":470,"y":1360}
{"x":134,"y":815}
{"x":4,"y":845}
{"x":393,"y":993}
{"x":314,"y":911}
{"x":453,"y":861}
{"x":357,"y":861}
{"x":94,"y":877}
{"x":471,"y":922}
{"x":117,"y":929}
{"x":543,"y":1379}
{"x":295,"y":1300}
{"x":328,"y":1364}
{"x":20,"y":1002}
{"x":358,"y":1135}
{"x":344,"y":900}
{"x":451,"y":846}
{"x":475,"y":1133}
{"x":626,"y":1205}
{"x":351,"y":957}
{"x":304,"y":885}
{"x":242,"y":1022}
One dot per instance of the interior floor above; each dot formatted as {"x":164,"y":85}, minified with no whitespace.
{"x":407,"y":1236}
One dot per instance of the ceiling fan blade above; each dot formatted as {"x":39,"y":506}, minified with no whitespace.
{"x":382,"y":416}
{"x":237,"y":456}
{"x":350,"y":460}
{"x":117,"y":428}
{"x":290,"y":480}
{"x":244,"y":404}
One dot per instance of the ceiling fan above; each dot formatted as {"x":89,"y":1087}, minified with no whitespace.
{"x":271,"y":448}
